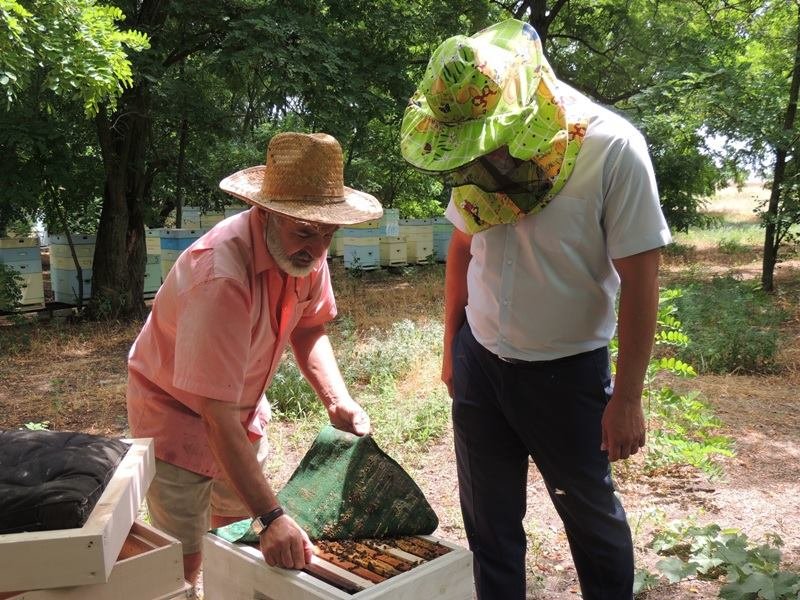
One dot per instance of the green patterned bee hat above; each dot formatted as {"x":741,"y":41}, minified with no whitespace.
{"x":491,"y":120}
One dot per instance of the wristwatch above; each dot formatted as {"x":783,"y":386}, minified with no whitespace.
{"x":262,"y":522}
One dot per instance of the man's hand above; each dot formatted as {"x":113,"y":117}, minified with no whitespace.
{"x":284,"y":544}
{"x":623,"y":428}
{"x":447,"y":366}
{"x":346,"y":414}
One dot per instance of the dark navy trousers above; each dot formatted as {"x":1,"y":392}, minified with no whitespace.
{"x":550,"y":411}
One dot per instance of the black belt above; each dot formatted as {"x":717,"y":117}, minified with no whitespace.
{"x":553,"y":361}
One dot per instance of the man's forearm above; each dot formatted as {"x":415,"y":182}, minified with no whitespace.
{"x":455,"y":286}
{"x":315,"y":358}
{"x":638,"y":311}
{"x":234,"y":453}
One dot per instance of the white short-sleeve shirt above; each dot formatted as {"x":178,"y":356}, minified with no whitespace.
{"x":545,"y":287}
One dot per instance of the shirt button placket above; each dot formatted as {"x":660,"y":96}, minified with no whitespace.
{"x":506,"y":287}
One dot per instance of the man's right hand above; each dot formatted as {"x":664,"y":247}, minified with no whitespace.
{"x":284,"y":544}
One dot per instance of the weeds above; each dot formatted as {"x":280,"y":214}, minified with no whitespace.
{"x":751,"y":571}
{"x":375,"y":367}
{"x":682,"y":427}
{"x":724,"y":235}
{"x":732,"y":246}
{"x":733,"y":325}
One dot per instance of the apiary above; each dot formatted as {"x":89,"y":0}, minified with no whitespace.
{"x":361,"y":245}
{"x":442,"y":232}
{"x":149,"y":566}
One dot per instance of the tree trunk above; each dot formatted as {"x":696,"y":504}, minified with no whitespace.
{"x":772,"y":230}
{"x":538,"y":14}
{"x":184,"y":135}
{"x":120,"y":253}
{"x":770,"y":257}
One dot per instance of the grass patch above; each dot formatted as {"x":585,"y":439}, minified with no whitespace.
{"x":723,"y":235}
{"x":392,"y":375}
{"x":733,"y":326}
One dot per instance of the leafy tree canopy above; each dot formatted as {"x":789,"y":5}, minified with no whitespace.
{"x":76,"y":45}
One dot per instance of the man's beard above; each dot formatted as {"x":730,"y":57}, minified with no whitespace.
{"x":282,"y":258}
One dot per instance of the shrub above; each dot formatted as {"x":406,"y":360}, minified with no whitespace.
{"x":683,"y":429}
{"x":10,"y":288}
{"x":733,"y":326}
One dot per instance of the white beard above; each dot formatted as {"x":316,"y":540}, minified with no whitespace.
{"x":284,"y":260}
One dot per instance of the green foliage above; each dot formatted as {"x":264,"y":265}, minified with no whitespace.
{"x":10,"y":290}
{"x":290,"y":395}
{"x":751,"y":571}
{"x":685,"y":433}
{"x":74,"y":46}
{"x":683,"y":429}
{"x":679,"y":250}
{"x":727,"y":237}
{"x":381,"y":358}
{"x":644,"y":580}
{"x":60,"y":60}
{"x":731,"y":246}
{"x":686,"y":175}
{"x":372,"y":367}
{"x":734,"y":326}
{"x":37,"y":425}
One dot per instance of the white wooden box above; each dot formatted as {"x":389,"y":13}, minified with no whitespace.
{"x":86,"y":555}
{"x":238,"y":572}
{"x":149,"y":567}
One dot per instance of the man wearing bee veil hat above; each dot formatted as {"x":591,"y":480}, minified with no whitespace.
{"x":555,"y":209}
{"x":220,"y":322}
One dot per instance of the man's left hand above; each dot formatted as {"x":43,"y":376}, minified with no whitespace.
{"x":623,"y":428}
{"x":346,"y":414}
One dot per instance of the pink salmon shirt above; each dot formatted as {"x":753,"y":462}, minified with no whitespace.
{"x":217,"y":329}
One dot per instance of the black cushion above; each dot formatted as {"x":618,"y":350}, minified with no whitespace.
{"x":53,"y":479}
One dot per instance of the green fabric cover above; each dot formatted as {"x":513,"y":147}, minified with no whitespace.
{"x":346,"y":487}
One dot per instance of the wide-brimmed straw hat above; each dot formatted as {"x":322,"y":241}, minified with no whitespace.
{"x":303,"y":178}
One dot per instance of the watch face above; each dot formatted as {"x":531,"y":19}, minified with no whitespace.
{"x":257,"y":526}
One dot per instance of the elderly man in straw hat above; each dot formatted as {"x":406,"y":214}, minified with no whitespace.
{"x":556,"y":209}
{"x":216,"y":333}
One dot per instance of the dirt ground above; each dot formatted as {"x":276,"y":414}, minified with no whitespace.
{"x":75,"y":379}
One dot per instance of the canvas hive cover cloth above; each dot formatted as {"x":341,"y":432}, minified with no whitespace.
{"x":346,"y":487}
{"x":52,"y":479}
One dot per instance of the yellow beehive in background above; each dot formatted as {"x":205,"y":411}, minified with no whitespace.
{"x":418,"y":234}
{"x":393,"y":252}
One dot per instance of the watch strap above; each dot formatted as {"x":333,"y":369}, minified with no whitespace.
{"x":264,"y":521}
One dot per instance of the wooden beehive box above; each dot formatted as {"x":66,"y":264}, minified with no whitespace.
{"x":393,"y":251}
{"x":238,"y":572}
{"x":149,"y":566}
{"x":86,"y":555}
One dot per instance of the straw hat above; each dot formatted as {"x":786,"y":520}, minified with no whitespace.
{"x":302,"y":178}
